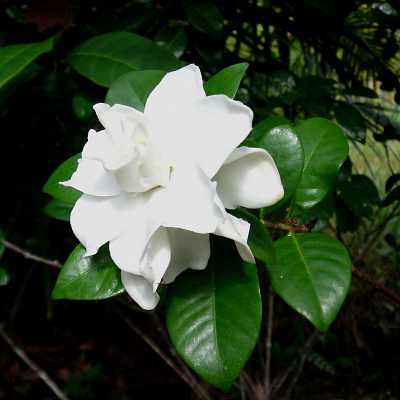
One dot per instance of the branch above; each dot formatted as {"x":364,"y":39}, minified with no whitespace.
{"x":366,"y":278}
{"x":290,"y":226}
{"x":193,"y":385}
{"x":30,"y":256}
{"x":32,"y":365}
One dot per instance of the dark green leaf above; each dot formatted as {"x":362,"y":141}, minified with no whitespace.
{"x":105,"y":58}
{"x":58,"y":210}
{"x":174,"y":39}
{"x":266,"y":125}
{"x":260,"y":241}
{"x":14,"y":58}
{"x":345,"y":170}
{"x":61,"y":174}
{"x":360,"y":194}
{"x":214,"y":317}
{"x":4,"y":277}
{"x":133,"y":89}
{"x":88,"y":278}
{"x":286,"y":149}
{"x":361,"y":91}
{"x":205,"y":17}
{"x":82,"y":106}
{"x":391,"y":181}
{"x":393,"y":196}
{"x":346,"y":220}
{"x":323,"y":211}
{"x":325,"y":150}
{"x":312,"y":275}
{"x":226,"y":81}
{"x":351,"y":121}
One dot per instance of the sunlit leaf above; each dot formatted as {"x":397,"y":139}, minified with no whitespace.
{"x":105,"y":58}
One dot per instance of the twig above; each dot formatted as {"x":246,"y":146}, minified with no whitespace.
{"x":292,"y":227}
{"x":174,"y":353}
{"x":307,"y":349}
{"x":279,"y":381}
{"x":366,"y":278}
{"x":268,"y":345}
{"x":29,"y":255}
{"x":160,"y":353}
{"x":32,"y":365}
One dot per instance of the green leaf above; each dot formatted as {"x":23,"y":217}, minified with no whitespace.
{"x":391,"y":181}
{"x":361,"y":91}
{"x":82,"y":106}
{"x":346,"y":220}
{"x":63,"y":173}
{"x":14,"y":58}
{"x":58,"y":210}
{"x":360,"y":194}
{"x":105,"y":58}
{"x":4,"y":277}
{"x":88,"y":278}
{"x":266,"y":125}
{"x":133,"y":89}
{"x":323,"y":211}
{"x":391,"y":197}
{"x":312,"y":275}
{"x":286,"y":149}
{"x":259,"y":240}
{"x":206,"y":17}
{"x":325,"y":150}
{"x":351,"y":121}
{"x":226,"y":81}
{"x":174,"y":39}
{"x":214,"y":317}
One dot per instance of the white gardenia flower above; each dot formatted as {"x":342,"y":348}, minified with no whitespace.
{"x":156,"y":184}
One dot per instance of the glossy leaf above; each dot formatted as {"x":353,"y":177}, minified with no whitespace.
{"x":58,"y":210}
{"x":214,"y":317}
{"x":63,"y":173}
{"x":351,"y":121}
{"x":88,"y":278}
{"x":206,"y":17}
{"x":325,"y":150}
{"x":14,"y":58}
{"x":360,"y":194}
{"x":260,"y":240}
{"x":312,"y":275}
{"x":266,"y":125}
{"x":105,"y":58}
{"x":174,"y":39}
{"x":323,"y":211}
{"x":133,"y":89}
{"x":286,"y":149}
{"x":226,"y":81}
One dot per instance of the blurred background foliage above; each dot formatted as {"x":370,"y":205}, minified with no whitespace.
{"x":334,"y":59}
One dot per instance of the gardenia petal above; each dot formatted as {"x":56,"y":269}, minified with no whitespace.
{"x":190,"y":127}
{"x":190,"y":201}
{"x":188,"y":250}
{"x":90,"y":178}
{"x":237,"y":230}
{"x":98,"y":220}
{"x":140,"y":289}
{"x":249,"y":178}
